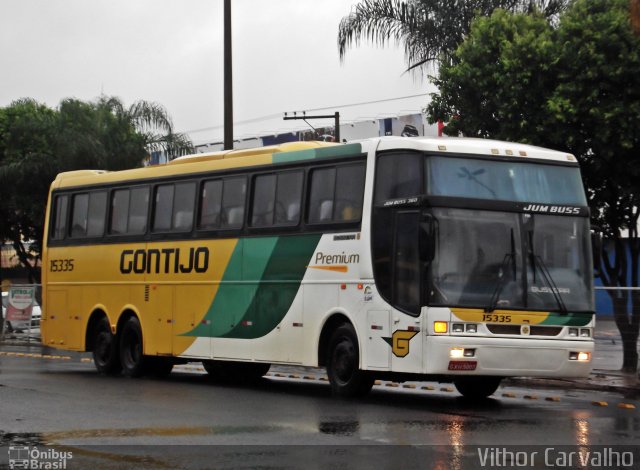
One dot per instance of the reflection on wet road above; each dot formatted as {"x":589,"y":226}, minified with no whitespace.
{"x":113,"y":422}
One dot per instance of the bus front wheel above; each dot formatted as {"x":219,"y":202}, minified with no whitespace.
{"x":131,"y":353}
{"x":105,"y":349}
{"x":345,"y":376}
{"x":478,"y":387}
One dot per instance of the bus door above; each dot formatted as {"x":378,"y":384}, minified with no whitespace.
{"x":406,"y":286}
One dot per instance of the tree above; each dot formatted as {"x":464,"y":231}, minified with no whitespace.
{"x":574,"y":87}
{"x":428,"y":29}
{"x":36,"y":143}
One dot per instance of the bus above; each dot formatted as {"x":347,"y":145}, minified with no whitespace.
{"x":394,"y":258}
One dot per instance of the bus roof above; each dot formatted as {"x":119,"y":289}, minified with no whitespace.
{"x":294,"y":151}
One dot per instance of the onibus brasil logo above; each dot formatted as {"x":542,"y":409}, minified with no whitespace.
{"x":41,"y":459}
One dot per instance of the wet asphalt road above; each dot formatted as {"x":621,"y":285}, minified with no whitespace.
{"x":288,"y":420}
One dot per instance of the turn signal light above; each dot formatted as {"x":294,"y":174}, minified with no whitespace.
{"x":440,"y":326}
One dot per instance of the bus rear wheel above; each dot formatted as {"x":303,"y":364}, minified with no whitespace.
{"x":105,"y":349}
{"x":131,"y":352}
{"x":345,"y":376}
{"x":478,"y":387}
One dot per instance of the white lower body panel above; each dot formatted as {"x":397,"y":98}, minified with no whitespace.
{"x":509,"y":357}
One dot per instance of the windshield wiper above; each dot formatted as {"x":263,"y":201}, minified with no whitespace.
{"x":546,"y":275}
{"x":509,"y":257}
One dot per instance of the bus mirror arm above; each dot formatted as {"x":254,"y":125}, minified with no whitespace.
{"x":427,"y":242}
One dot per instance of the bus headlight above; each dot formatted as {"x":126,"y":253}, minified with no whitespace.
{"x":585,"y":333}
{"x":573,"y":332}
{"x":457,"y":328}
{"x":472,"y":328}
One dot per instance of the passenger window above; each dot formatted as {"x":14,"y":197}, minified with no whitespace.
{"x":129,"y":210}
{"x":349,"y":193}
{"x":119,"y":212}
{"x":322,"y":193}
{"x":233,"y":202}
{"x":210,"y":205}
{"x":398,"y":176}
{"x":222,"y":204}
{"x":138,"y":210}
{"x":97,"y":212}
{"x":264,"y":193}
{"x":276,"y":199}
{"x":162,"y":208}
{"x":60,"y":218}
{"x":80,"y":205}
{"x":336,"y":194}
{"x":88,"y":211}
{"x":173,"y":208}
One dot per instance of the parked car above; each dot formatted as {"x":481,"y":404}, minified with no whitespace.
{"x":20,"y":326}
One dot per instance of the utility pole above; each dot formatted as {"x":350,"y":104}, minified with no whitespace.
{"x":304,"y":117}
{"x":228,"y":79}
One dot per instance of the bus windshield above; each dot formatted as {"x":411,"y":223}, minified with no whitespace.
{"x":497,"y":260}
{"x":517,"y":181}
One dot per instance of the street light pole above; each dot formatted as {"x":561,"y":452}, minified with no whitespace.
{"x":228,"y":79}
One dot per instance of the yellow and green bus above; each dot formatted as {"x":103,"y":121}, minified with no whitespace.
{"x":456,"y":260}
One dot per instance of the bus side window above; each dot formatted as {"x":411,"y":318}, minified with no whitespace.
{"x":210,"y":205}
{"x":322,"y":192}
{"x":183,"y":206}
{"x":87,"y":214}
{"x":79,"y":208}
{"x":336,"y":194}
{"x":96,"y":215}
{"x":349,"y":193}
{"x":233,"y":201}
{"x":59,"y":223}
{"x":398,"y":176}
{"x":119,"y":212}
{"x":138,"y":210}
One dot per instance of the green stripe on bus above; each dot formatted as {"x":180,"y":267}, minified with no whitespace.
{"x":320,"y":152}
{"x":258,"y":287}
{"x":569,"y":319}
{"x":278,"y":288}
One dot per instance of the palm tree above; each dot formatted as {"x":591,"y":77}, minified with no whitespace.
{"x":426,"y":28}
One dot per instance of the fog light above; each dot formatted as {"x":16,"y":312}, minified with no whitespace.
{"x":585,"y":333}
{"x":580,"y":356}
{"x":472,"y":328}
{"x":469,"y":352}
{"x":584,"y":356}
{"x":456,"y":353}
{"x":440,"y":326}
{"x":573,"y":332}
{"x":457,"y":328}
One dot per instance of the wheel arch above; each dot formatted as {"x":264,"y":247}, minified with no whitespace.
{"x":97,"y":315}
{"x":332,"y":322}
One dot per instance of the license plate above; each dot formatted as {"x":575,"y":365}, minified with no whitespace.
{"x":463,"y":365}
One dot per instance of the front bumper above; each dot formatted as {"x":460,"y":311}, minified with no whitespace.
{"x":507,"y":357}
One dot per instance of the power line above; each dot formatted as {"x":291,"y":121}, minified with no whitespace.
{"x":278,"y":115}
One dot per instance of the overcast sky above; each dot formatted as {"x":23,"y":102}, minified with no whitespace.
{"x":170,"y":51}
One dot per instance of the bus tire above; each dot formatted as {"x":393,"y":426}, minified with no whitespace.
{"x":131,"y":351}
{"x":345,"y":376}
{"x":105,"y":349}
{"x":477,"y":387}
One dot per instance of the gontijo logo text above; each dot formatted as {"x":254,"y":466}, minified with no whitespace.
{"x":165,"y":260}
